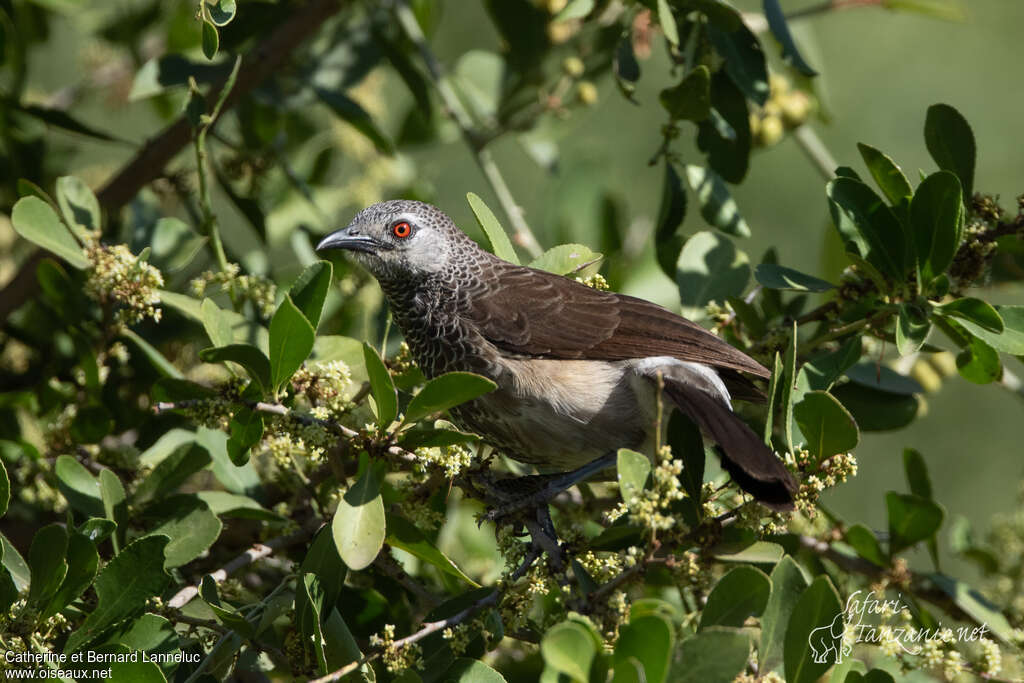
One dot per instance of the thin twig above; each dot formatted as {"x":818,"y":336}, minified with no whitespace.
{"x":252,"y":554}
{"x":815,"y":150}
{"x":458,"y":113}
{"x":831,"y":6}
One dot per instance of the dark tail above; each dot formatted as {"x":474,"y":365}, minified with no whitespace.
{"x":744,"y":456}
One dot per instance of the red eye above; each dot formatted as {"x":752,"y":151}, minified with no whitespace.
{"x":401,"y":230}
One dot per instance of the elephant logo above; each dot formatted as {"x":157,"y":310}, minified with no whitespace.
{"x":828,"y":640}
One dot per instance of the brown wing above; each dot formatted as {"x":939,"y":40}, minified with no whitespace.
{"x":534,"y":313}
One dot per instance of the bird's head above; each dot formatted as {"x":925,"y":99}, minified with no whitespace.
{"x":399,"y":239}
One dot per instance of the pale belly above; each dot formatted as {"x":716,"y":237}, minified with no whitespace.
{"x":561,"y":414}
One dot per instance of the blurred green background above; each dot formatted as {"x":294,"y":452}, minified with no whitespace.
{"x":880,"y":71}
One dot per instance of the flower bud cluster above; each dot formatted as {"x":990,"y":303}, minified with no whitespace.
{"x":117,"y":276}
{"x":396,"y":658}
{"x":784,"y":110}
{"x":260,"y":290}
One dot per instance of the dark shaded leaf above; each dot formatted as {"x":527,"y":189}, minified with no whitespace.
{"x":309,"y":290}
{"x":646,"y":639}
{"x":868,"y":227}
{"x":211,"y":40}
{"x":818,"y":607}
{"x":744,"y":59}
{"x":714,"y":655}
{"x":741,"y":593}
{"x":775,"y":276}
{"x":780,"y":29}
{"x":253,"y":360}
{"x":725,"y":136}
{"x":911,"y":519}
{"x":246,"y":431}
{"x":385,"y":396}
{"x":826,"y":424}
{"x":670,"y":217}
{"x":404,"y":535}
{"x":717,"y":206}
{"x":889,"y":177}
{"x":446,"y":391}
{"x":291,"y":340}
{"x":690,"y":99}
{"x":912,"y":328}
{"x":864,"y":542}
{"x":950,"y":141}
{"x":874,"y":410}
{"x":936,"y":221}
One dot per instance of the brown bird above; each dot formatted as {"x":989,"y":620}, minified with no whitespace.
{"x":576,"y":367}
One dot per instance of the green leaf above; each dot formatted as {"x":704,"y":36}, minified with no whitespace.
{"x":912,"y":328}
{"x":221,"y":12}
{"x":1011,"y":340}
{"x":385,"y":396}
{"x":115,"y":503}
{"x":189,"y":524}
{"x":446,"y":391}
{"x":253,"y":360}
{"x":865,"y":543}
{"x":172,"y":471}
{"x":79,"y":205}
{"x":758,"y":552}
{"x":773,"y":391}
{"x":217,"y":324}
{"x":649,"y":640}
{"x":234,"y":478}
{"x":36,"y":221}
{"x":710,"y":268}
{"x":668,"y":22}
{"x":789,"y":377}
{"x":671,"y":213}
{"x":950,"y":141}
{"x":291,"y":340}
{"x":402,"y":534}
{"x":818,"y":607}
{"x":124,"y":586}
{"x":155,"y":358}
{"x":744,"y":59}
{"x":5,"y":490}
{"x":884,"y":378}
{"x":46,"y":560}
{"x":15,"y":564}
{"x":566,"y":259}
{"x":309,"y":290}
{"x":97,"y":530}
{"x":717,"y":206}
{"x":725,"y":135}
{"x":917,"y":473}
{"x":780,"y":29}
{"x":976,"y":606}
{"x":741,"y":593}
{"x":222,"y":611}
{"x":82,"y":563}
{"x":889,"y":177}
{"x":787,"y":583}
{"x":633,"y":470}
{"x":823,"y":370}
{"x":78,"y":485}
{"x":690,"y":99}
{"x":359,"y":523}
{"x":569,"y":648}
{"x":715,"y":655}
{"x":352,"y":113}
{"x":774,"y":276}
{"x":874,"y":410}
{"x":211,"y":41}
{"x":826,"y":424}
{"x":465,"y":670}
{"x":911,"y":519}
{"x":980,"y":313}
{"x":936,"y":223}
{"x":979,"y":363}
{"x":497,"y":238}
{"x":418,"y":437}
{"x":868,"y":227}
{"x":246,"y":431}
{"x":224,"y":504}
{"x":174,"y":244}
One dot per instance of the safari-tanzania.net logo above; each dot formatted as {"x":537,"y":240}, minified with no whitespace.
{"x":833,"y":642}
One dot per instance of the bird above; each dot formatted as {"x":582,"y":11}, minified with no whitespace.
{"x":577,"y":369}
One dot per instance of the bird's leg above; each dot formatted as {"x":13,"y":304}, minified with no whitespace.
{"x":549,"y":487}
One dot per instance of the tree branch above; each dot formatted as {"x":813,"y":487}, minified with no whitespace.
{"x":149,"y":162}
{"x":257,"y":552}
{"x":457,"y":112}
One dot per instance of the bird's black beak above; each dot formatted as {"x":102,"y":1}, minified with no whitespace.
{"x":353,"y":239}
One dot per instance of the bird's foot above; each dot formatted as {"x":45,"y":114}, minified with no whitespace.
{"x":534,"y":491}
